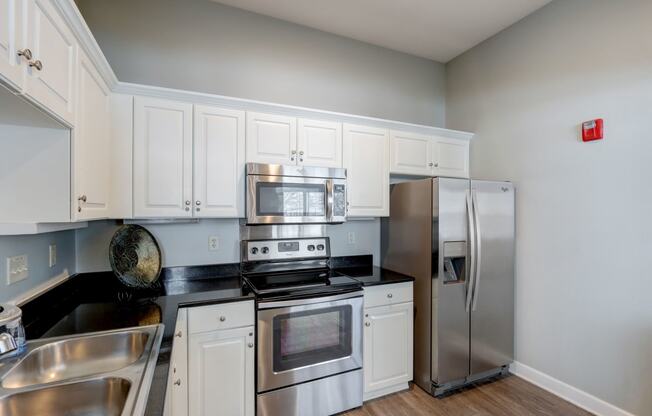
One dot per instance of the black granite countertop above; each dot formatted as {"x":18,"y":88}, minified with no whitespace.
{"x":98,"y":301}
{"x":91,"y":302}
{"x":362,"y":269}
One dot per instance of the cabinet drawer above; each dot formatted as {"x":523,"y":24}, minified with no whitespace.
{"x":387,"y":294}
{"x":222,"y":316}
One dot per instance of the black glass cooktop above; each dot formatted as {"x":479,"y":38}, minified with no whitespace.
{"x":323,"y":281}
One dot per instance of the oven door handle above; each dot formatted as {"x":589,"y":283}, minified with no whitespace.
{"x":308,"y":301}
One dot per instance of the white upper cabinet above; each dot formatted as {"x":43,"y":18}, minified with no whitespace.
{"x":411,"y":154}
{"x":51,"y":71}
{"x":162,"y":158}
{"x":366,"y":159}
{"x":271,"y":139}
{"x":91,"y":145}
{"x":11,"y":24}
{"x":219,"y":155}
{"x":415,"y":154}
{"x":319,"y":143}
{"x":451,"y":157}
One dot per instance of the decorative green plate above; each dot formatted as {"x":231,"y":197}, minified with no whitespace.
{"x":135,"y":256}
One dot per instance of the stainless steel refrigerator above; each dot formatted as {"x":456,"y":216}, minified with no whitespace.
{"x":456,"y":237}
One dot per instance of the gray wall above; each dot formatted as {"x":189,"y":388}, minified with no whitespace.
{"x":38,"y":256}
{"x":187,"y":244}
{"x":203,"y":46}
{"x":583,"y":310}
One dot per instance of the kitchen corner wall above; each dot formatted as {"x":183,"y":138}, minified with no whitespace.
{"x":36,"y":247}
{"x":584,"y":223}
{"x":184,"y":244}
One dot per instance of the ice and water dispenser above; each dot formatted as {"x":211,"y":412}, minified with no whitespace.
{"x":454,"y":261}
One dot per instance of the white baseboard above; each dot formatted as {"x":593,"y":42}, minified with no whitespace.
{"x":385,"y":391}
{"x":567,"y":392}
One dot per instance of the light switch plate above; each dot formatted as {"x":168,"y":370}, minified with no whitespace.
{"x":213,"y":243}
{"x":17,"y":269}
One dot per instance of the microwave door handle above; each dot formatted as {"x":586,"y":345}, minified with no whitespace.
{"x":329,"y":200}
{"x":471,"y":228}
{"x":478,"y":233}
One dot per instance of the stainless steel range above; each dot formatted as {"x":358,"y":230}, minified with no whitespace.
{"x":309,"y":357}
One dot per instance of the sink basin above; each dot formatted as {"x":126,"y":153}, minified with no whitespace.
{"x":77,"y":357}
{"x":101,"y":397}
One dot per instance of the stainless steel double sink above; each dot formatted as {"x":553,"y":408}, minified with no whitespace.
{"x":102,"y":373}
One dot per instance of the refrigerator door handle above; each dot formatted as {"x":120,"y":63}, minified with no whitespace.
{"x":471,"y":273}
{"x":478,"y":235}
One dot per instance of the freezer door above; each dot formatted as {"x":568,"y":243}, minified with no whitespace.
{"x":450,"y":319}
{"x":492,"y":311}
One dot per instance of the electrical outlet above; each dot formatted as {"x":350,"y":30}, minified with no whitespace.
{"x":213,"y":243}
{"x":351,"y":237}
{"x":53,"y":255}
{"x":17,"y":269}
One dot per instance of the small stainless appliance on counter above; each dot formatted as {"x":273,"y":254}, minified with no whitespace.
{"x":456,"y":237}
{"x":12,"y":333}
{"x":309,"y":357}
{"x":279,"y":194}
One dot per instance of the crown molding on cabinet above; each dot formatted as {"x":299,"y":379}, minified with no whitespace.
{"x":282,"y":109}
{"x":73,"y":17}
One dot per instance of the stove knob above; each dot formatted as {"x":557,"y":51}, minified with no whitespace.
{"x":264,"y":250}
{"x":311,"y":248}
{"x":254,"y":250}
{"x":320,"y":247}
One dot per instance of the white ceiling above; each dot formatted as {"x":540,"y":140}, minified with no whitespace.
{"x":434,"y":29}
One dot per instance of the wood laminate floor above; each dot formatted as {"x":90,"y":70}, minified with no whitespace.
{"x":506,"y":396}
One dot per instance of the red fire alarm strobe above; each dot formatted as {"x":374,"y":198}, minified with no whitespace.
{"x":592,"y":130}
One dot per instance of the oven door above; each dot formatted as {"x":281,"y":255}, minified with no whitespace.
{"x":306,"y":339}
{"x":289,"y":200}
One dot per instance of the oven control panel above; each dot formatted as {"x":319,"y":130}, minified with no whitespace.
{"x":286,"y":249}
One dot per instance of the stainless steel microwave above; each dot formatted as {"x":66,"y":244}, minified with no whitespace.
{"x":280,"y":194}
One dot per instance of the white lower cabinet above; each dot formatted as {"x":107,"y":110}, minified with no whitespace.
{"x":212,"y":363}
{"x":221,"y":373}
{"x":388,"y":341}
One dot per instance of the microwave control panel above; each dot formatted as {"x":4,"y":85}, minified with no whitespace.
{"x":286,"y":249}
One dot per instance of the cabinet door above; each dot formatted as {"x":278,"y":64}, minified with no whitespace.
{"x":54,"y":46}
{"x":366,"y":159}
{"x":221,"y":373}
{"x":410,"y":154}
{"x":319,"y":143}
{"x":387,"y":347}
{"x":11,"y":21}
{"x":451,"y":157}
{"x":271,"y":139}
{"x":162,"y":158}
{"x":176,"y":397}
{"x":91,"y":145}
{"x":219,"y":147}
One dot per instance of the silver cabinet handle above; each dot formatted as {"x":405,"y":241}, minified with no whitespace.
{"x":36,"y":64}
{"x":25,"y":53}
{"x":222,"y":318}
{"x":431,"y":164}
{"x":367,"y":323}
{"x":177,"y":382}
{"x":178,"y":334}
{"x":294,"y":152}
{"x":187,"y":208}
{"x":436,"y":165}
{"x":188,"y":202}
{"x":301,"y":153}
{"x":82,"y":198}
{"x":389,"y":295}
{"x":250,"y":345}
{"x":198,"y":203}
